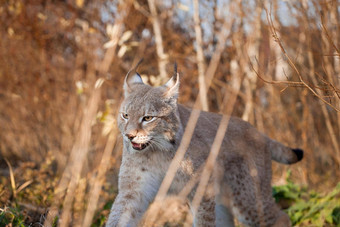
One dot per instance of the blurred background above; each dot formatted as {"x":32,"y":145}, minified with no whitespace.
{"x":62,"y":66}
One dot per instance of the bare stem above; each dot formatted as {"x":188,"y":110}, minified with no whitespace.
{"x":159,"y":41}
{"x":200,"y":58}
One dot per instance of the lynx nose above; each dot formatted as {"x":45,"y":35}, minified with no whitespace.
{"x":130,"y":136}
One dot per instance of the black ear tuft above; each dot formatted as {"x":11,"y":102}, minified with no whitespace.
{"x":175,"y":69}
{"x":132,"y":77}
{"x":299,"y":153}
{"x":172,"y":86}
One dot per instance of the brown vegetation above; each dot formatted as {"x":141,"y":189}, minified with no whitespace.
{"x":62,"y":64}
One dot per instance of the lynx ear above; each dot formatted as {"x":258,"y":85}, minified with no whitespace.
{"x":132,"y":77}
{"x":172,"y":86}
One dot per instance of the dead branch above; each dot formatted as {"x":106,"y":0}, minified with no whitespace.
{"x":291,"y":63}
{"x":159,"y":40}
{"x":200,"y":58}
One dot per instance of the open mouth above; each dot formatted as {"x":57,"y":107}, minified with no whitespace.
{"x":139,"y":146}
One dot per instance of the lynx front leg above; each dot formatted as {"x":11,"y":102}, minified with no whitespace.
{"x":126,"y":210}
{"x":137,"y":189}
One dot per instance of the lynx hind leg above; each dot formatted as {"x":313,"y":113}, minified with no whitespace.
{"x":224,"y":216}
{"x":251,"y":196}
{"x":205,"y":215}
{"x":211,"y":213}
{"x":282,"y":220}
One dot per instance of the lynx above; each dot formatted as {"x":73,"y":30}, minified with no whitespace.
{"x":152,"y":125}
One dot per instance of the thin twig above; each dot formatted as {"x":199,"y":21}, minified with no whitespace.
{"x":159,"y":40}
{"x":287,"y":83}
{"x":328,"y":35}
{"x":11,"y":174}
{"x":200,"y":58}
{"x":292,"y":65}
{"x":24,"y":185}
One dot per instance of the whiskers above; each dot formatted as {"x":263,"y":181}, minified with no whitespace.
{"x":160,"y":143}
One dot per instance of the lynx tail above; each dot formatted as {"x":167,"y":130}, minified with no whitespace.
{"x":283,"y":154}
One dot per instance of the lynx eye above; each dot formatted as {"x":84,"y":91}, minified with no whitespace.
{"x":125,"y":116}
{"x":147,"y":118}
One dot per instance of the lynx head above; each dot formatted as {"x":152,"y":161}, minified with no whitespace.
{"x":148,"y":118}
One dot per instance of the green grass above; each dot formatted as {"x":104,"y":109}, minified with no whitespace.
{"x":11,"y":216}
{"x":309,"y":208}
{"x":100,"y":217}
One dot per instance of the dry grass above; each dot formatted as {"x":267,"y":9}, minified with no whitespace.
{"x":61,"y":72}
